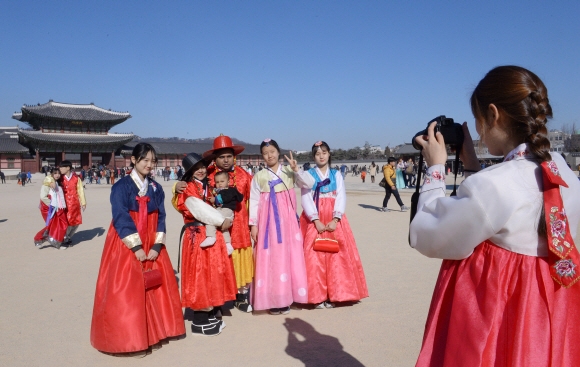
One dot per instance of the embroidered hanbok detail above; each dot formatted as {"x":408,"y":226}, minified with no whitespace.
{"x":434,"y":176}
{"x":564,"y":256}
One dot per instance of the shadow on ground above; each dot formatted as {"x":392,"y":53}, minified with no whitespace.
{"x":3,"y":220}
{"x":315,"y":349}
{"x":87,"y":235}
{"x":366,"y":206}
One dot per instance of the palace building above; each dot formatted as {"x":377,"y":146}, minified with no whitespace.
{"x":76,"y":132}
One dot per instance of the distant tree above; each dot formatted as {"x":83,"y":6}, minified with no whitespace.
{"x":388,"y":152}
{"x":354,"y":153}
{"x":571,"y":144}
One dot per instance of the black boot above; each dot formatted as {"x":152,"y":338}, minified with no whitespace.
{"x":242,"y":302}
{"x":202,"y":326}
{"x":213,"y":319}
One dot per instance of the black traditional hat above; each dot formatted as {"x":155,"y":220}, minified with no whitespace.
{"x":190,"y":160}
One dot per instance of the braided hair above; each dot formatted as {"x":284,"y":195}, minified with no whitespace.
{"x":522,"y":98}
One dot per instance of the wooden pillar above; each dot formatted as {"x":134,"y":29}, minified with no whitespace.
{"x":37,"y":159}
{"x":90,"y":160}
{"x":113,"y":158}
{"x":63,"y":156}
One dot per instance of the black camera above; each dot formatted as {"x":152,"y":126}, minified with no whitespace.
{"x":452,"y":132}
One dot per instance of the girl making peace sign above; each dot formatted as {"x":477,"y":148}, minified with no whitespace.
{"x":280,"y":277}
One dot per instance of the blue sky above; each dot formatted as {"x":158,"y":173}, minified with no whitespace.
{"x":296,"y":71}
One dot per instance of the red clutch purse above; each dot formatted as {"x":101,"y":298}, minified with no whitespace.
{"x":325,"y":245}
{"x":152,"y":278}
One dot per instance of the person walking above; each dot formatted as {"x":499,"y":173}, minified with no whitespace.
{"x":2,"y":177}
{"x":74,"y":195}
{"x":373,"y":168}
{"x":52,"y":208}
{"x":391,"y":186}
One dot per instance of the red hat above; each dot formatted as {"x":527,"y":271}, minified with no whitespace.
{"x":223,"y":142}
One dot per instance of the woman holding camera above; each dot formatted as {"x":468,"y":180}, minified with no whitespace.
{"x":506,"y":292}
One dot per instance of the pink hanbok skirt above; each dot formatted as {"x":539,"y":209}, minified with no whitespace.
{"x":338,"y":277}
{"x":500,"y":308}
{"x":280,"y":275}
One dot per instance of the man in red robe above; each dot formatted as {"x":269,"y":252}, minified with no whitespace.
{"x":225,"y":151}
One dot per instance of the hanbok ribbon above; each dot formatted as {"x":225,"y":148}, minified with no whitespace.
{"x":564,"y":257}
{"x":274,"y":204}
{"x":142,"y":215}
{"x":50,"y":214}
{"x":319,"y":185}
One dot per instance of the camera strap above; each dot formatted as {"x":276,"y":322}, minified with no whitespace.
{"x":415,"y":197}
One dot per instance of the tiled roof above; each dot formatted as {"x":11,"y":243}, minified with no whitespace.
{"x":407,"y":149}
{"x":69,"y":111}
{"x":83,"y":139}
{"x":184,"y":148}
{"x":11,"y":145}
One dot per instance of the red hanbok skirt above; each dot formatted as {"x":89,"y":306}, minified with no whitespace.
{"x":126,"y":318}
{"x":338,"y":277}
{"x":207,"y":274}
{"x":499,"y":308}
{"x":56,"y":228}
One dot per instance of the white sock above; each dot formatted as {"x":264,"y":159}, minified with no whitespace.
{"x":207,"y":242}
{"x":229,"y":248}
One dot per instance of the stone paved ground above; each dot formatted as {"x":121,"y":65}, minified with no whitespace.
{"x":47,"y":296}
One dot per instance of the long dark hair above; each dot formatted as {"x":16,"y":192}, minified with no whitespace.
{"x":322,"y":144}
{"x":523,"y":98}
{"x":140,"y":152}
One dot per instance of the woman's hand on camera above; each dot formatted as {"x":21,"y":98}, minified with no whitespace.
{"x":468,"y":155}
{"x":434,"y":150}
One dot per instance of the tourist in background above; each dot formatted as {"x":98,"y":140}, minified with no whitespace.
{"x":507,"y":293}
{"x":373,"y":168}
{"x":389,"y":171}
{"x":28,"y":177}
{"x":2,"y":177}
{"x":332,"y":276}
{"x":130,"y":315}
{"x":343,"y":169}
{"x":74,"y":195}
{"x":410,"y":173}
{"x":53,"y":210}
{"x":400,"y":171}
{"x":280,"y":271}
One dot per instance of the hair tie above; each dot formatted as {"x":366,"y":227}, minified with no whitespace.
{"x":267,"y":141}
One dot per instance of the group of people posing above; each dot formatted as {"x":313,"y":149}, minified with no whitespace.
{"x":242,"y":241}
{"x":62,"y":199}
